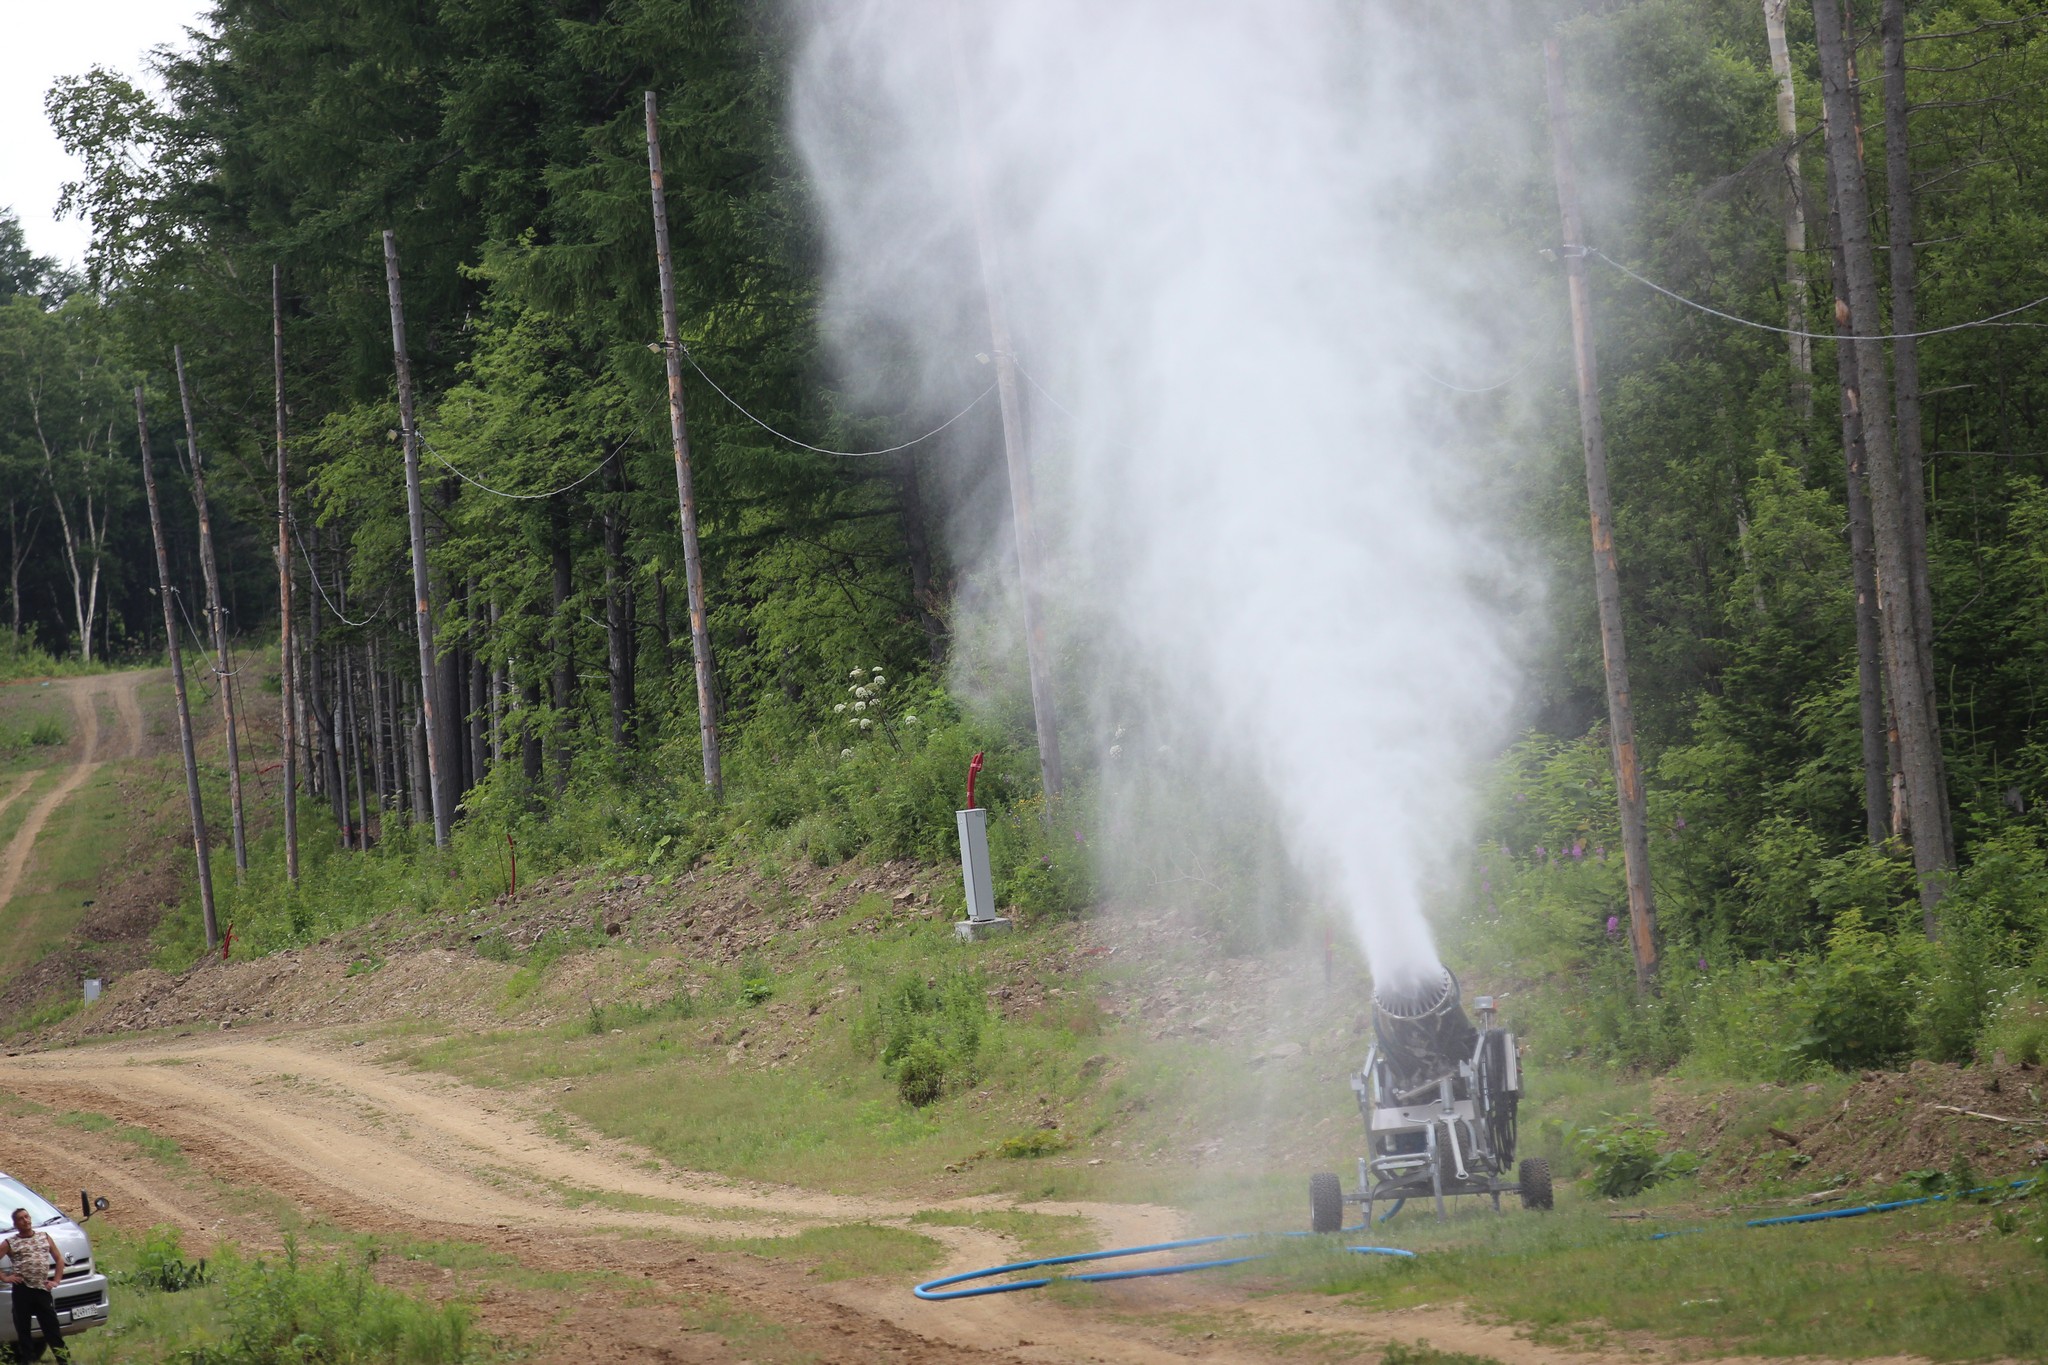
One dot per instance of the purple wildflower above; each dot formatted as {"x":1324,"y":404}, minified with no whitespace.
{"x":1613,"y":926}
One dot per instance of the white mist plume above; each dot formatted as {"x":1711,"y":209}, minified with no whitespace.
{"x":1210,"y":222}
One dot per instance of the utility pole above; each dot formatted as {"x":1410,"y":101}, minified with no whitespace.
{"x":284,"y":586}
{"x":1877,"y":798}
{"x":1908,"y":670}
{"x":1799,"y":347}
{"x":423,"y":603}
{"x":1016,"y":449}
{"x":686,"y":497}
{"x":163,"y":580}
{"x":218,"y":616}
{"x":1621,"y":721}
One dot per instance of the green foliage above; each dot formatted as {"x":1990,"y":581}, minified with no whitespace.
{"x":290,"y":1310}
{"x":1422,"y":1353}
{"x":1861,"y":998}
{"x":1033,"y":1142}
{"x":928,"y":1032}
{"x":160,"y":1264}
{"x":1626,"y":1157}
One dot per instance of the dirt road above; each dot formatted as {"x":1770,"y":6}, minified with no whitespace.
{"x":378,"y":1148}
{"x":84,"y":695}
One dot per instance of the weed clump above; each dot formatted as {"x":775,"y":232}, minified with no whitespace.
{"x":929,"y":1032}
{"x":161,"y":1264}
{"x":1627,"y":1158}
{"x":1034,"y":1142}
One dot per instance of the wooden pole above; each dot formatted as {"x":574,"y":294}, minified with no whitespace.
{"x":217,"y":617}
{"x":200,"y":849}
{"x":1621,"y":722}
{"x":686,"y":497}
{"x":1907,"y":670}
{"x":1799,"y":347}
{"x":284,"y":585}
{"x":1877,"y":798}
{"x":423,"y":605}
{"x":1905,"y":280}
{"x":1016,"y":450}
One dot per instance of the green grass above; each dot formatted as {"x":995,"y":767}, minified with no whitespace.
{"x":848,"y":1251}
{"x":152,"y":1145}
{"x":1936,"y":1281}
{"x":83,"y":840}
{"x":1040,"y":1234}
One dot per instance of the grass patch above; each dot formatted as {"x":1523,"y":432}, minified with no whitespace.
{"x":83,"y":841}
{"x":849,"y":1251}
{"x":1936,"y":1281}
{"x":152,"y":1145}
{"x":1040,"y":1234}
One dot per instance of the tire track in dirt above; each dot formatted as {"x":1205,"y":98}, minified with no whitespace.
{"x":379,"y":1149}
{"x":85,"y":711}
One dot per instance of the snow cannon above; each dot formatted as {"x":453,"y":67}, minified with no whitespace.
{"x":1438,"y":1094}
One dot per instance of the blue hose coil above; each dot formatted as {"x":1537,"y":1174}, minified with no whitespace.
{"x":940,"y":1291}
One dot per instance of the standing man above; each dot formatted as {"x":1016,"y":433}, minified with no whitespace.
{"x":38,"y":1267}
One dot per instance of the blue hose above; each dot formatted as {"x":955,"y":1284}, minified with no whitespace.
{"x":938,"y":1291}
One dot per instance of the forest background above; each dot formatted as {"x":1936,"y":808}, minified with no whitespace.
{"x":502,"y":142}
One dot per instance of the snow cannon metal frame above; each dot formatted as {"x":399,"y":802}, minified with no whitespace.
{"x":1438,"y":1096}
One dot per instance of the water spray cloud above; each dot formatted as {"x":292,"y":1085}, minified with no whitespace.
{"x":1211,"y":236}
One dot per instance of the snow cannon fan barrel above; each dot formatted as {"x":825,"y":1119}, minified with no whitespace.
{"x":1423,"y":1031}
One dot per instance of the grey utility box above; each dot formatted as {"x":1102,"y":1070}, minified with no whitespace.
{"x":974,"y":871}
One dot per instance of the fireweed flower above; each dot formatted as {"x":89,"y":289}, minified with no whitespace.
{"x":1613,"y":925}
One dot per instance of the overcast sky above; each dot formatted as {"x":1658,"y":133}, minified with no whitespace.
{"x":45,"y":39}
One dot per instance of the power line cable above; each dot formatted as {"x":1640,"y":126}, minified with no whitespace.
{"x":821,"y":450}
{"x":585,"y":477}
{"x":307,"y":555}
{"x":1992,"y":321}
{"x":1520,"y":370}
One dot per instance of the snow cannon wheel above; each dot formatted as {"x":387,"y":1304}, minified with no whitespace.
{"x":1536,"y":1193}
{"x":1325,"y":1203}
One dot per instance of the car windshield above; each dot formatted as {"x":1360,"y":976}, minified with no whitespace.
{"x":15,"y":1195}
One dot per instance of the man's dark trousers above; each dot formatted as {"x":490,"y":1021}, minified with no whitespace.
{"x":36,"y":1304}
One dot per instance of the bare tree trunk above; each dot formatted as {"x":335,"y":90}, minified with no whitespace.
{"x":686,"y":497}
{"x":1907,"y":669}
{"x":917,"y":552}
{"x":1799,"y":347}
{"x":497,"y":687}
{"x":422,"y":774}
{"x":1016,"y":449}
{"x":21,"y":539}
{"x":284,"y":587}
{"x":217,"y":616}
{"x":530,"y":755}
{"x":1635,"y":831}
{"x":1906,"y":369}
{"x":618,"y":646}
{"x":200,"y":848}
{"x":423,"y":609}
{"x":379,"y":780}
{"x":565,"y":663}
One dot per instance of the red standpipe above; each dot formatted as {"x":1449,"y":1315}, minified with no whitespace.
{"x":973,"y":769}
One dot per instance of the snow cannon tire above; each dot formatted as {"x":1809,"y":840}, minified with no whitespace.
{"x":1325,"y":1203}
{"x":1536,"y":1191}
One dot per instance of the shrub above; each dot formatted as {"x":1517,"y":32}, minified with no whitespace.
{"x":1862,"y":996}
{"x":1033,"y":1142}
{"x":2018,"y":1026}
{"x":1626,"y":1158}
{"x":287,"y":1310}
{"x":45,"y":732}
{"x":929,"y":1031}
{"x":161,"y":1264}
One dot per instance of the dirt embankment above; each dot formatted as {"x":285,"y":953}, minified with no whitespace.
{"x":1883,"y":1127}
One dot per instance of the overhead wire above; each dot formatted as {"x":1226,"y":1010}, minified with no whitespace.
{"x":583,"y":478}
{"x":1993,"y":320}
{"x":780,"y":435}
{"x":339,"y":615}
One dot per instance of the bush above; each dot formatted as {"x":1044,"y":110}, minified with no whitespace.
{"x":1625,"y":1157}
{"x":929,"y":1031}
{"x":161,"y":1264}
{"x":1862,"y":997}
{"x":284,"y":1310}
{"x":2018,"y":1026}
{"x":1033,"y":1142}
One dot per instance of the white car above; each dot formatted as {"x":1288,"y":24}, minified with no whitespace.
{"x":82,"y":1297}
